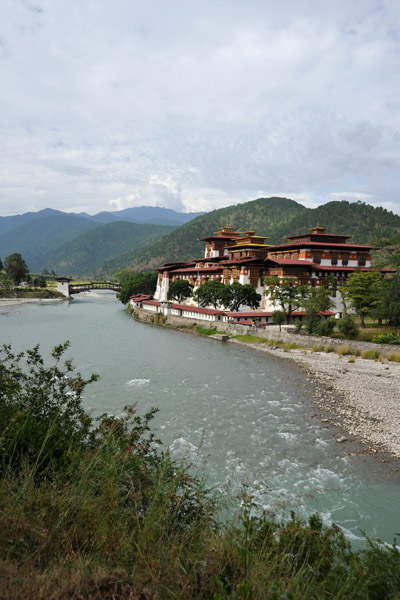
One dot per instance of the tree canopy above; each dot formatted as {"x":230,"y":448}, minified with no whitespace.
{"x":235,"y":295}
{"x":287,"y":294}
{"x":210,"y":292}
{"x":16,"y":268}
{"x":135,"y":283}
{"x":179,"y":290}
{"x":388,"y":306}
{"x":362,"y":289}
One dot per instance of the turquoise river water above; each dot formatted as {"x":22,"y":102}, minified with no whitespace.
{"x":245,"y":415}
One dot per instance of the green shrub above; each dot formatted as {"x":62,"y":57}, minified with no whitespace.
{"x":370,"y":354}
{"x":392,"y":337}
{"x":348,"y":327}
{"x":326,"y":327}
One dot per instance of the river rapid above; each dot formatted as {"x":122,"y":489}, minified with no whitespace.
{"x":243,"y":417}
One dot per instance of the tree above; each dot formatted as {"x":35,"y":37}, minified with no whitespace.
{"x":287,"y":294}
{"x":179,"y":290}
{"x":348,"y":327}
{"x":279,"y":317}
{"x":388,"y":306}
{"x":1,"y":265}
{"x":236,"y":294}
{"x":135,"y":283}
{"x":317,"y":300}
{"x":16,"y":268}
{"x":362,"y":289}
{"x":210,"y":292}
{"x":39,"y":281}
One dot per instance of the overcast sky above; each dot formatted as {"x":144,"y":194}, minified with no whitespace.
{"x":107,"y":104}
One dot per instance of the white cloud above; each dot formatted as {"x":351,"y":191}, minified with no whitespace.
{"x":197,"y":105}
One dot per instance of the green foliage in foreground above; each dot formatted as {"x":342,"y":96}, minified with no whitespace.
{"x":95,"y":509}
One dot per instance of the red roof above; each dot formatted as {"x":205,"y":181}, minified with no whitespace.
{"x":257,"y":314}
{"x":169,"y":266}
{"x":346,"y":269}
{"x":242,"y":261}
{"x":219,"y":237}
{"x":196,"y":269}
{"x":140,"y":297}
{"x":304,"y":244}
{"x":199,"y":309}
{"x":331,"y":235}
{"x":252,"y":313}
{"x":296,"y":262}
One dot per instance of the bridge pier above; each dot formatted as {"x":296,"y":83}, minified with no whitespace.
{"x":63,"y":286}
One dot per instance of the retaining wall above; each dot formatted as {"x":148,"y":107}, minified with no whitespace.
{"x":271,"y":332}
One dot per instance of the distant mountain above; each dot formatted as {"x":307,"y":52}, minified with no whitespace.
{"x":275,"y":218}
{"x":36,"y":238}
{"x":9,"y":223}
{"x":155,"y":215}
{"x":99,"y":252}
{"x":36,"y":235}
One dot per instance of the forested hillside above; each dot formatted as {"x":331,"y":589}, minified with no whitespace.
{"x":275,"y":218}
{"x":99,"y":252}
{"x":38,"y":237}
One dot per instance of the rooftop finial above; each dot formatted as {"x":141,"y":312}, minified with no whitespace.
{"x":317,"y":229}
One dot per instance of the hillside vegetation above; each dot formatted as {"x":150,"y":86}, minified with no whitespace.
{"x":99,"y":252}
{"x":36,"y":235}
{"x":275,"y":218}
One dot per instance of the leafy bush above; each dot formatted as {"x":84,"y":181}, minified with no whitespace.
{"x":348,"y":327}
{"x":392,"y":337}
{"x":326,"y":327}
{"x":42,"y":421}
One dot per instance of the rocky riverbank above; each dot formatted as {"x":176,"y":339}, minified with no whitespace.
{"x":6,"y":303}
{"x":362,"y":397}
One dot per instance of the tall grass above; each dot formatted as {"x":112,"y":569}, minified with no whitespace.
{"x":371,"y":354}
{"x":344,"y":350}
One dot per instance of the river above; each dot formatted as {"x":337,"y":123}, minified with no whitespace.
{"x":244,"y":417}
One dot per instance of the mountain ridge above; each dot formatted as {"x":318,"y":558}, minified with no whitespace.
{"x":273,"y":217}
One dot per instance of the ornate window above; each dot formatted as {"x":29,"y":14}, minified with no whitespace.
{"x":317,"y":257}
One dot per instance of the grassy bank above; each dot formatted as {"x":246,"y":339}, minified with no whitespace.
{"x":29,"y":293}
{"x":97,"y":509}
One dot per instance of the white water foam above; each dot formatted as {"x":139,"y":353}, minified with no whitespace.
{"x":138,"y":382}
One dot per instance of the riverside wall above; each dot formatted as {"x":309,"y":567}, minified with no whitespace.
{"x":271,"y":332}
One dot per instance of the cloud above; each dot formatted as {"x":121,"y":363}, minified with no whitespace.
{"x":195,"y":106}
